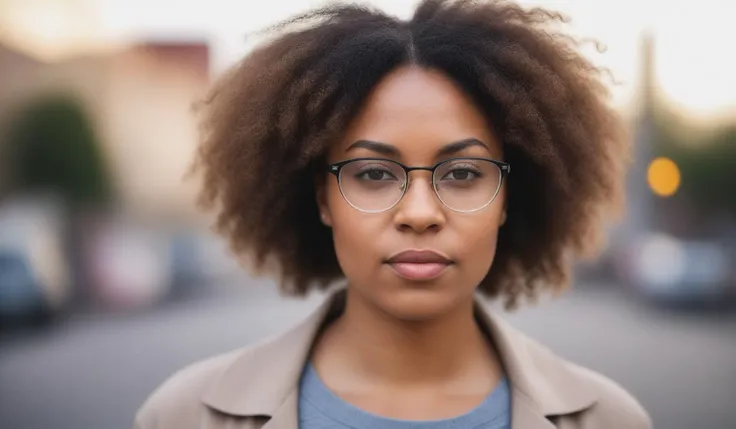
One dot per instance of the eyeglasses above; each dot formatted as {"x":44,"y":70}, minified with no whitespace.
{"x":375,"y":185}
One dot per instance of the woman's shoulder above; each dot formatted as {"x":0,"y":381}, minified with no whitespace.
{"x":179,"y":397}
{"x":250,"y":381}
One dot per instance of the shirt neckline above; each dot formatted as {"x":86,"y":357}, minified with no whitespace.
{"x":494,"y":407}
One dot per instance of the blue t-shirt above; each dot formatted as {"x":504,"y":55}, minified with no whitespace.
{"x":319,"y":408}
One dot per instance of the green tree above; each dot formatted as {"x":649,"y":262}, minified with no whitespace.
{"x":707,"y":161}
{"x":55,"y":149}
{"x":709,"y":171}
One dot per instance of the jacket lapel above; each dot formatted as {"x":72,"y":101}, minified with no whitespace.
{"x":264,"y":377}
{"x":525,"y":414}
{"x":543,"y":385}
{"x":287,"y":415}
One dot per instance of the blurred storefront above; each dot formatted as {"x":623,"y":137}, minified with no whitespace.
{"x":140,"y":100}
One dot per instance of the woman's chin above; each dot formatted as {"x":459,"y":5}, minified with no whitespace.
{"x":418,"y":304}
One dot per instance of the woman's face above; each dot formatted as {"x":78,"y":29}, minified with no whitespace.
{"x":419,"y":258}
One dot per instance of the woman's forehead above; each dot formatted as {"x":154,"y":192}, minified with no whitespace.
{"x":414,"y":107}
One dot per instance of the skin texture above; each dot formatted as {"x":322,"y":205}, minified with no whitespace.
{"x":400,"y":338}
{"x":418,"y":112}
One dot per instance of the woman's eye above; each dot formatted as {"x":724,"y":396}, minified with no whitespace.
{"x":460,"y":174}
{"x":376,"y":174}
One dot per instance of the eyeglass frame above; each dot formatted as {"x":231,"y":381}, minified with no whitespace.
{"x":336,"y":168}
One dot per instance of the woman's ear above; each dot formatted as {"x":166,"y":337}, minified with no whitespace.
{"x":324,"y":211}
{"x":503,"y":218}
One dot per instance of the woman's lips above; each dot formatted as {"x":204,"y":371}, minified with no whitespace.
{"x":419,"y":264}
{"x":419,"y":271}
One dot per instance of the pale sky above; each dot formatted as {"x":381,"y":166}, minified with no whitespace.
{"x":694,"y":67}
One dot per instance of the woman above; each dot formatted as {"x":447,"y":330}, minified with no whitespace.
{"x":361,"y":147}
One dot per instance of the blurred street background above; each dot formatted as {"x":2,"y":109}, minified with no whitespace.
{"x":110,"y":279}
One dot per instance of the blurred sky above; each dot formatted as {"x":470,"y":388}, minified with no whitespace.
{"x":694,"y":66}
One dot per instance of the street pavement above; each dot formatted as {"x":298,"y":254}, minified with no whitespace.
{"x":93,"y":371}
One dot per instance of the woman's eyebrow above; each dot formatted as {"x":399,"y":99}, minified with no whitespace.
{"x":458,"y":146}
{"x":380,"y":147}
{"x":391,"y":150}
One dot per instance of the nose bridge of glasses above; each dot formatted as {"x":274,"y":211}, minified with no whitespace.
{"x":428,"y":180}
{"x":427,"y":172}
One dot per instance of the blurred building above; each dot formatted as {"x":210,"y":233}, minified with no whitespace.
{"x":15,"y":69}
{"x":639,"y":213}
{"x":140,"y":99}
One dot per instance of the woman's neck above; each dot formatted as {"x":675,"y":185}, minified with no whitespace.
{"x":369,"y":345}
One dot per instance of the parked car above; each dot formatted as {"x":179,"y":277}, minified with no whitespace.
{"x":22,"y":300}
{"x":670,"y":270}
{"x":200,"y":263}
{"x":128,"y":264}
{"x":34,"y":281}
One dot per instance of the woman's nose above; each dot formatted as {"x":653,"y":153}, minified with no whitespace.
{"x":420,"y":209}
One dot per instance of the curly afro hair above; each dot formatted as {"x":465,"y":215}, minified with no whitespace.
{"x":268,"y":122}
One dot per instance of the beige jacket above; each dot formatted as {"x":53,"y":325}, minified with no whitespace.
{"x":256,"y":387}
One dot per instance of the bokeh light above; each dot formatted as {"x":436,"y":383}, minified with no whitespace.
{"x":663,"y":177}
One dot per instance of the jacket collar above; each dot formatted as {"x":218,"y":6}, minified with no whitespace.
{"x":263,"y":380}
